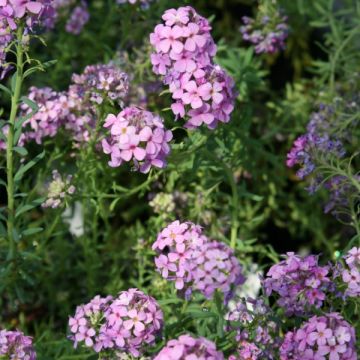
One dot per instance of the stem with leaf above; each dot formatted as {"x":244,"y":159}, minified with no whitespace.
{"x":15,"y":97}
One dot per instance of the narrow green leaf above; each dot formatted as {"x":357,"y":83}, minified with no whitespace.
{"x":24,"y":208}
{"x":49,"y":63}
{"x":13,"y":81}
{"x":32,"y":231}
{"x":5,"y":90}
{"x":30,"y":103}
{"x":24,"y":168}
{"x":20,"y":150}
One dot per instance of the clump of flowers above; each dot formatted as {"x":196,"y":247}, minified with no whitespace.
{"x":163,"y":204}
{"x":247,"y":351}
{"x":184,"y":49}
{"x":215,"y":267}
{"x":324,"y":145}
{"x":58,"y":189}
{"x":322,"y":337}
{"x":27,"y":12}
{"x":319,"y":141}
{"x":100,"y":82}
{"x":78,"y":19}
{"x":176,"y":245}
{"x":351,"y":273}
{"x":187,"y":257}
{"x":268,"y":31}
{"x":139,"y":136}
{"x":46,"y":121}
{"x":15,"y":345}
{"x":187,"y":347}
{"x":299,"y":283}
{"x":126,"y":323}
{"x":255,"y":331}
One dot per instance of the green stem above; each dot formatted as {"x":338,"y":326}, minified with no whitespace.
{"x":10,"y":143}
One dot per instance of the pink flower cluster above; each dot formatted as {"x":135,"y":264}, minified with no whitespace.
{"x":15,"y":345}
{"x":139,"y":136}
{"x":351,"y":274}
{"x":14,"y":11}
{"x":247,"y":351}
{"x":189,"y":348}
{"x":28,"y":11}
{"x":73,"y":110}
{"x":52,"y":110}
{"x":327,"y":337}
{"x":299,"y":282}
{"x":126,"y":323}
{"x":184,"y":51}
{"x":187,"y":257}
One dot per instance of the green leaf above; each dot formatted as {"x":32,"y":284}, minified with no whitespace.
{"x":24,"y":168}
{"x":3,"y":183}
{"x":32,"y":231}
{"x":32,"y":105}
{"x":49,"y":63}
{"x":113,"y":203}
{"x":20,"y":150}
{"x":5,"y":90}
{"x":170,"y":301}
{"x":24,"y":208}
{"x":13,"y":81}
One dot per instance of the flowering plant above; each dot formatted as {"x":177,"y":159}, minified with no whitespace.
{"x":179,"y":181}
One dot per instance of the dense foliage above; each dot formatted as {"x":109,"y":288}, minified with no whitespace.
{"x":179,"y":179}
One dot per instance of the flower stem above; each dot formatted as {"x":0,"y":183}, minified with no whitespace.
{"x":10,"y":143}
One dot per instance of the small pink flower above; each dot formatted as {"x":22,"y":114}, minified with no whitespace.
{"x":170,"y":38}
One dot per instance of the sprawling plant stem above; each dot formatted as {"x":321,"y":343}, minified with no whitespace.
{"x":10,"y":142}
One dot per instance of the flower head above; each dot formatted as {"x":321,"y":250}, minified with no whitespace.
{"x":15,"y":345}
{"x":299,"y":283}
{"x":187,"y":347}
{"x":327,"y":337}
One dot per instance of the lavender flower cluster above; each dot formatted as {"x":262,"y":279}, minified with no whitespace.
{"x":187,"y":347}
{"x":255,"y":331}
{"x":100,"y":82}
{"x":58,"y":189}
{"x":319,"y":140}
{"x":267,"y":32}
{"x":351,"y":273}
{"x":247,"y":351}
{"x":323,"y":144}
{"x":75,"y":109}
{"x":186,"y":256}
{"x":14,"y":345}
{"x":126,"y":323}
{"x":322,"y":338}
{"x":184,"y":50}
{"x":299,"y":282}
{"x":137,"y":135}
{"x":78,"y":18}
